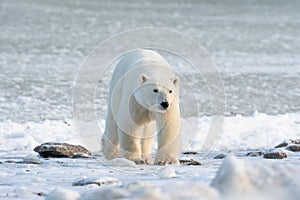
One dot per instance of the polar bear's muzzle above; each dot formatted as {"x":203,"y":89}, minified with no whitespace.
{"x":164,"y":105}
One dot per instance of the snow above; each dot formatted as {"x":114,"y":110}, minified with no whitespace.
{"x":23,"y":192}
{"x":120,"y":162}
{"x":62,"y":194}
{"x":239,"y":133}
{"x":248,"y":179}
{"x":214,"y":178}
{"x":31,"y":159}
{"x":167,"y":172}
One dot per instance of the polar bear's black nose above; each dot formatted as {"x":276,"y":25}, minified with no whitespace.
{"x":165,"y":104}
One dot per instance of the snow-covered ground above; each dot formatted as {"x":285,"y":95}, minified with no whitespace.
{"x":240,"y":177}
{"x":255,"y":46}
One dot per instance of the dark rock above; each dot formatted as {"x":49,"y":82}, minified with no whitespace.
{"x":189,"y":162}
{"x":81,"y":155}
{"x":11,"y":161}
{"x":41,"y":194}
{"x":96,"y":181}
{"x":255,"y":153}
{"x":288,"y":142}
{"x":293,"y":148}
{"x":190,"y":152}
{"x":275,"y":155}
{"x":220,"y":156}
{"x":59,"y":150}
{"x":297,"y":141}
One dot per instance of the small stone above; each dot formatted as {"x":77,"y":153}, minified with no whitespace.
{"x":10,"y":161}
{"x":294,"y":148}
{"x":220,"y":156}
{"x":288,"y":142}
{"x":59,"y":150}
{"x":255,"y":153}
{"x":284,"y":143}
{"x":81,"y":155}
{"x":297,"y":141}
{"x":190,"y":152}
{"x":97,"y":181}
{"x":275,"y":155}
{"x":31,"y":159}
{"x":41,"y":194}
{"x":189,"y":162}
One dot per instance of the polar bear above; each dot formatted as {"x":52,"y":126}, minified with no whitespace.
{"x":143,"y":103}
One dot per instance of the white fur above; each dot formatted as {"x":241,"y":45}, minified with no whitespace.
{"x":142,"y":80}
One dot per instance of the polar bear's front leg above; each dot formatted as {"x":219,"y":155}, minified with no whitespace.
{"x":110,"y":140}
{"x":169,"y":141}
{"x":130,"y":147}
{"x":147,"y":142}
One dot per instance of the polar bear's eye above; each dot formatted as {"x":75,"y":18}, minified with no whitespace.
{"x":155,"y":90}
{"x":170,"y":91}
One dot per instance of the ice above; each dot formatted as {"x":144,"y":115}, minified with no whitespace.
{"x":254,"y":49}
{"x":62,"y":194}
{"x":31,"y":159}
{"x":248,"y":179}
{"x":167,"y":172}
{"x":23,"y":192}
{"x":26,"y":136}
{"x":189,"y":190}
{"x":38,"y":180}
{"x":112,"y":193}
{"x":121,"y":162}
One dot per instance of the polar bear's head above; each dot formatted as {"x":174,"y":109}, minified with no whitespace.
{"x":157,"y":94}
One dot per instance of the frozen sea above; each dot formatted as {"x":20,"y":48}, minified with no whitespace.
{"x":254,"y":44}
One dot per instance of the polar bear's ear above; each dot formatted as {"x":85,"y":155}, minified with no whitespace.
{"x":143,"y":78}
{"x":176,"y":80}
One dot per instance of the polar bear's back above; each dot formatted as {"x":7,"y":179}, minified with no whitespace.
{"x":137,"y":58}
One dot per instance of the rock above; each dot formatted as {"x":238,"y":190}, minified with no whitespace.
{"x":31,"y":159}
{"x":41,"y":194}
{"x":220,"y":156}
{"x":284,"y":143}
{"x":288,"y":142}
{"x":54,"y":149}
{"x":189,"y":162}
{"x":81,"y":155}
{"x":255,"y":153}
{"x":297,"y":141}
{"x":190,"y":152}
{"x":275,"y":155}
{"x":293,"y":148}
{"x":97,"y":181}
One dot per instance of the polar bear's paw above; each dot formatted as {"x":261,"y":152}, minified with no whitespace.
{"x":138,"y":161}
{"x":143,"y":161}
{"x":166,"y":161}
